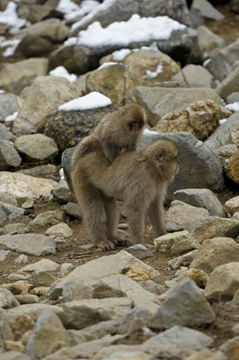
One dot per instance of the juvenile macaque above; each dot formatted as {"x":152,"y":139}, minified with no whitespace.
{"x":116,"y":132}
{"x":139,"y":178}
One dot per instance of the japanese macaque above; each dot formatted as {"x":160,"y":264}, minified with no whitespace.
{"x":139,"y":178}
{"x":116,"y":132}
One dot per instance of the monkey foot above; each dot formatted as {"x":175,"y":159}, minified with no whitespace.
{"x":118,"y":241}
{"x":106,"y":245}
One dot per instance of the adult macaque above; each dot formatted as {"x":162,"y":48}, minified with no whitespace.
{"x":139,"y":178}
{"x":116,"y":132}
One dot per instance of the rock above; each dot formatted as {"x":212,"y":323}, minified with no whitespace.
{"x":31,"y":313}
{"x":112,"y":81}
{"x":176,"y":243}
{"x":68,"y":127}
{"x":214,"y":252}
{"x":203,"y":198}
{"x":208,"y":41}
{"x":34,"y":45}
{"x":202,"y":10}
{"x":39,"y":103}
{"x":222,"y":135}
{"x":232,"y":205}
{"x":18,"y":287}
{"x":223,"y":281}
{"x":216,"y":227}
{"x":116,"y":285}
{"x":9,"y":104}
{"x":198,"y":166}
{"x":4,"y":254}
{"x":223,"y":61}
{"x":73,"y":209}
{"x":183,"y":260}
{"x":36,"y":147}
{"x":182,"y":337}
{"x":35,"y":12}
{"x":48,"y":336}
{"x":196,"y":76}
{"x":25,"y":186}
{"x":197,"y":275}
{"x":21,"y":259}
{"x":9,"y":212}
{"x":46,"y":171}
{"x":179,"y":307}
{"x":190,"y":217}
{"x":9,"y":157}
{"x":62,"y":192}
{"x":80,"y":57}
{"x":139,"y":251}
{"x":233,"y":97}
{"x":159,"y":101}
{"x":232,"y":167}
{"x":14,"y":355}
{"x":7,"y":300}
{"x":225,"y":152}
{"x":229,"y":84}
{"x":40,"y":266}
{"x":123,"y":11}
{"x":47,"y":218}
{"x":61,"y":230}
{"x":78,"y":314}
{"x":200,"y":119}
{"x":207,"y":354}
{"x":66,"y":268}
{"x":32,"y":244}
{"x":14,"y":77}
{"x":52,"y":29}
{"x":27,"y":299}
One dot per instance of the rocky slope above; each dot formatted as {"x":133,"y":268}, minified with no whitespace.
{"x":175,"y":297}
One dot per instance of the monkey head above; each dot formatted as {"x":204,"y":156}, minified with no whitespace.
{"x":135,"y":118}
{"x":162,"y":155}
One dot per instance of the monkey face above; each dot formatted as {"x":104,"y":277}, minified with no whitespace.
{"x":136,"y":125}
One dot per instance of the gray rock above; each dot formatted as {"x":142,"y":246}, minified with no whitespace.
{"x":34,"y":45}
{"x":78,"y":314}
{"x":233,"y":97}
{"x":82,"y":58}
{"x":46,"y":171}
{"x":202,"y":10}
{"x":9,"y":157}
{"x":14,"y":77}
{"x":14,"y":355}
{"x":215,"y":252}
{"x":32,"y":244}
{"x":179,"y":307}
{"x":203,"y":198}
{"x":40,"y":266}
{"x":196,"y":76}
{"x":25,"y":186}
{"x":47,"y":218}
{"x":59,"y":230}
{"x":208,"y":41}
{"x":188,"y":216}
{"x":39,"y":103}
{"x":32,"y":311}
{"x":183,"y":260}
{"x":62,"y":192}
{"x":7,"y":300}
{"x":158,"y":101}
{"x":27,"y":299}
{"x":223,"y":281}
{"x":9,"y":104}
{"x":53,"y":29}
{"x":176,"y":243}
{"x":198,"y":166}
{"x":36,"y":146}
{"x":229,"y":84}
{"x":16,"y":228}
{"x":222,"y":63}
{"x":216,"y":227}
{"x":47,"y":336}
{"x":182,"y":337}
{"x":4,"y":254}
{"x":222,"y":135}
{"x":123,"y":10}
{"x":9,"y":212}
{"x":92,"y":270}
{"x":5,"y":133}
{"x":139,"y":251}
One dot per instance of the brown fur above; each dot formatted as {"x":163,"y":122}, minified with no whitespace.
{"x":117,"y":131}
{"x":141,"y":179}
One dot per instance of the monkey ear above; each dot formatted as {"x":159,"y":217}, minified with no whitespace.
{"x":160,"y":155}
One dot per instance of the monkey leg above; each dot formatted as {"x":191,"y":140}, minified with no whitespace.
{"x":112,"y":220}
{"x":136,"y":218}
{"x":95,"y":217}
{"x":156,"y":217}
